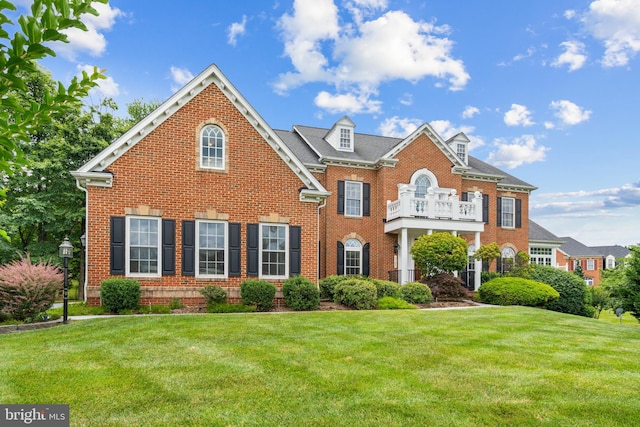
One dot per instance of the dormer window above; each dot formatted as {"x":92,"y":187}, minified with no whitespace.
{"x":345,"y":139}
{"x":461,"y":151}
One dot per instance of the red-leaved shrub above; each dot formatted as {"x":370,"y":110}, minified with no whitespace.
{"x":26,"y":289}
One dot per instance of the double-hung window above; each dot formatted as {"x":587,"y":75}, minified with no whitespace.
{"x":591,"y":264}
{"x":345,"y":139}
{"x":352,"y":257}
{"x":508,"y":212}
{"x":143,"y":246}
{"x":273,"y":250}
{"x":461,"y":152}
{"x":353,"y":198}
{"x":211,"y":244}
{"x":212,"y":147}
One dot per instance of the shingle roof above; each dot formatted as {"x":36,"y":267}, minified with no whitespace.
{"x":309,"y":145}
{"x":573,"y":248}
{"x":617,"y":251}
{"x":537,"y":233}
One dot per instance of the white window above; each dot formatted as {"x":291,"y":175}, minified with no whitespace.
{"x":422,"y":185}
{"x":143,"y":247}
{"x":345,"y":139}
{"x":508,"y":259}
{"x":211,"y":244}
{"x":611,"y":261}
{"x":461,"y":151}
{"x":541,"y":256}
{"x":212,"y":147}
{"x":353,"y":198}
{"x":273,"y":251}
{"x":588,"y":281}
{"x":352,"y":257}
{"x":508,"y":212}
{"x":591,"y":264}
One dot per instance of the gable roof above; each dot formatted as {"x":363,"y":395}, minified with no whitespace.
{"x":573,"y":248}
{"x":539,"y":234}
{"x":95,"y":171}
{"x":616,"y":251}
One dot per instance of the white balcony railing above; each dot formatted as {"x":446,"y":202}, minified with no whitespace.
{"x":437,"y":204}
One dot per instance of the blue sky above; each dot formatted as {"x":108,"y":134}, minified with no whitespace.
{"x":546,"y":90}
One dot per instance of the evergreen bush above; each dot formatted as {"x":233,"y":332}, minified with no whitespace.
{"x":516,"y":291}
{"x":416,"y":293}
{"x":259,"y":293}
{"x":574,"y":297}
{"x":213,"y":294}
{"x":390,"y":303}
{"x":387,"y":288}
{"x":356,"y":293}
{"x":328,"y":284}
{"x":120,"y":294}
{"x":300,"y":294}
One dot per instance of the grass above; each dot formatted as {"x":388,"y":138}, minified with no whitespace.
{"x":489,"y":366}
{"x":627,"y":318}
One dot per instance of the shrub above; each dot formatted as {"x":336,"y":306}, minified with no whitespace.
{"x":328,"y":284}
{"x":446,"y":286}
{"x":230,"y":308}
{"x":387,"y":288}
{"x":259,"y":293}
{"x":440,"y":253}
{"x":416,"y":293}
{"x":27,"y":290}
{"x":572,"y":289}
{"x":356,"y":293}
{"x":390,"y":303}
{"x":485,"y":276}
{"x":300,"y":294}
{"x":120,"y":294}
{"x":175,"y":304}
{"x":516,"y":291}
{"x":212,"y":293}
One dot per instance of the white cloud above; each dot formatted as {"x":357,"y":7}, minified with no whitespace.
{"x":573,"y":56}
{"x":519,"y":115}
{"x":569,"y":14}
{"x":407,"y":99}
{"x":570,"y":113}
{"x":530,"y":52}
{"x":236,"y":29}
{"x":357,"y":56}
{"x":107,"y":88}
{"x":180,"y":77}
{"x":398,"y":127}
{"x":446,"y":130}
{"x":617,"y":24}
{"x":470,"y":111}
{"x":347,"y":103}
{"x":92,"y":41}
{"x":521,"y":151}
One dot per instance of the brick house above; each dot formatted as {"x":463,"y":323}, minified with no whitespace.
{"x":591,"y":259}
{"x":203,"y":191}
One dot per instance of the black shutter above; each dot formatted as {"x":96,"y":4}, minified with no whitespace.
{"x":295,"y":252}
{"x":518,"y":213}
{"x":340,"y":259}
{"x":365,"y":260}
{"x":341,"y":197}
{"x":366,"y":199}
{"x":168,"y":247}
{"x":118,"y":226}
{"x":253,"y":237}
{"x":464,"y":196}
{"x":485,"y":208}
{"x":234,"y":249}
{"x":499,"y":211}
{"x":188,"y":248}
{"x":499,"y":265}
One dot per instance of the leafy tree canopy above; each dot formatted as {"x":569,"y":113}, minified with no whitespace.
{"x":440,"y":253}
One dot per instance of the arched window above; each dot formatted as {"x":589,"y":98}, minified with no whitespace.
{"x":352,"y":257}
{"x":508,"y":259}
{"x":422,"y":184}
{"x":212,"y":147}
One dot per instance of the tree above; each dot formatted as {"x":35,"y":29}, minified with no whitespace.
{"x":629,"y":292}
{"x":578,"y":271}
{"x":487,"y":253}
{"x":19,"y":54}
{"x":521,"y":266}
{"x":440,"y":253}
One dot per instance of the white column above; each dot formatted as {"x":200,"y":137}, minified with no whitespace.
{"x":478,"y":265}
{"x":404,"y":256}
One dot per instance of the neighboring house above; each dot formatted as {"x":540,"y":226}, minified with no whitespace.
{"x":543,"y":245}
{"x":592,"y":259}
{"x":203,"y":191}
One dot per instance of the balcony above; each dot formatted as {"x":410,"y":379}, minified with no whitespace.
{"x":440,"y":203}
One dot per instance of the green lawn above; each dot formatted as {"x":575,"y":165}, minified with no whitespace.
{"x":490,"y":366}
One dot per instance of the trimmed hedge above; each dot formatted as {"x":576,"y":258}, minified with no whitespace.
{"x":574,"y":297}
{"x":390,"y":303}
{"x":259,"y":293}
{"x":328,"y":284}
{"x":120,"y":294}
{"x":300,"y":294}
{"x":516,"y":291}
{"x":356,"y":293}
{"x":386,"y":288}
{"x":416,"y":293}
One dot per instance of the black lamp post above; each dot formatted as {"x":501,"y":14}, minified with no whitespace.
{"x":65,"y":250}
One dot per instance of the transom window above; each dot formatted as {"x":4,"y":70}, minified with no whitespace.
{"x":273,"y":251}
{"x":541,"y":256}
{"x":143,"y":246}
{"x":422,"y":185}
{"x":352,"y":257}
{"x":211,"y":247}
{"x":353,"y":198}
{"x":508,"y":212}
{"x":345,"y":139}
{"x":212,"y":147}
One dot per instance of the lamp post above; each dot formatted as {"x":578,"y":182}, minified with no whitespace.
{"x":65,"y":250}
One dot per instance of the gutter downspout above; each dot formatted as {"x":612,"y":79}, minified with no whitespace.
{"x":86,"y":234}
